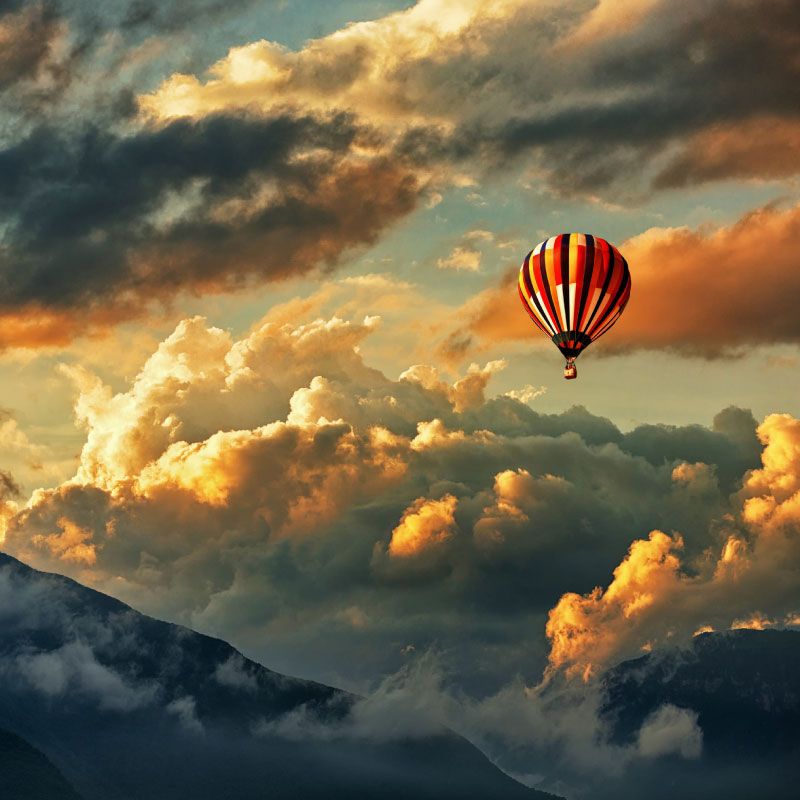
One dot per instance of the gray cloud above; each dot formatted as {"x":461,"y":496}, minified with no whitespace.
{"x":74,"y":669}
{"x":86,"y":216}
{"x":670,"y":730}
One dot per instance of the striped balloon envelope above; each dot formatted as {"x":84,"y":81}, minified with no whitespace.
{"x":574,"y":287}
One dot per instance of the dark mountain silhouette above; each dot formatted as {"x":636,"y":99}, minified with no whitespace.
{"x":27,"y":774}
{"x":128,"y":707}
{"x":744,"y":687}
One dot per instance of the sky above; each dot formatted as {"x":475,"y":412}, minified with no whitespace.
{"x":264,"y":368}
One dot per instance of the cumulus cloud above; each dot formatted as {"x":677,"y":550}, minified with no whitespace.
{"x":70,"y":544}
{"x":744,"y":580}
{"x":277,"y":488}
{"x":425,"y":525}
{"x":461,"y":258}
{"x":526,"y":393}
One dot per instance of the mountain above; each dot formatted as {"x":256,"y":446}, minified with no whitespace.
{"x":27,"y":774}
{"x":125,"y":706}
{"x":744,"y":688}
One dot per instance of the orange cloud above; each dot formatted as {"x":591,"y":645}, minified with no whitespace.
{"x":517,"y":496}
{"x":466,"y":392}
{"x":585,"y":631}
{"x":73,"y":543}
{"x":763,"y":148}
{"x":425,"y":525}
{"x":755,"y":622}
{"x":34,"y":326}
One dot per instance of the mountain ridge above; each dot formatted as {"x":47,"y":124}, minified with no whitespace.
{"x":115,"y":699}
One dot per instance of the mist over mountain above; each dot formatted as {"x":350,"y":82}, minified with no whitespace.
{"x":729,"y":704}
{"x":99,"y":702}
{"x":125,"y":706}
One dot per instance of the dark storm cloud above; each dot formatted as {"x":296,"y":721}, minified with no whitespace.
{"x":90,"y":218}
{"x":595,"y":107}
{"x":686,"y":68}
{"x":27,"y":31}
{"x":49,"y":44}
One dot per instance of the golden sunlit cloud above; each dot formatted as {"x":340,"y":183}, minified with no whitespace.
{"x":363,"y":67}
{"x":424,"y":526}
{"x":653,"y":598}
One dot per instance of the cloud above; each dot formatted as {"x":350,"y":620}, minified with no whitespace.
{"x":71,"y":544}
{"x":245,"y":485}
{"x":426,"y":525}
{"x":28,"y":37}
{"x":185,"y":709}
{"x":671,"y":730}
{"x":527,"y":393}
{"x":75,"y":668}
{"x":461,"y":258}
{"x":557,"y":734}
{"x":764,"y":148}
{"x":374,"y":65}
{"x":25,"y":464}
{"x":234,"y":674}
{"x":263,"y":487}
{"x":680,"y":304}
{"x":159,"y":211}
{"x":620,"y":85}
{"x":278,"y":162}
{"x":747,"y":577}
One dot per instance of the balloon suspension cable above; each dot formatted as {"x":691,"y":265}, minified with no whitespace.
{"x":570,"y":370}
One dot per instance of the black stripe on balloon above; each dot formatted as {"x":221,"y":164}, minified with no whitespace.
{"x":554,"y":318}
{"x":526,"y":277}
{"x":588,"y":271}
{"x":623,"y":284}
{"x":565,"y":277}
{"x":606,"y":282}
{"x":530,"y":313}
{"x":607,"y":325}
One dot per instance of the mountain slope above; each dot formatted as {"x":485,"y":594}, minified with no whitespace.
{"x":744,"y":688}
{"x":27,"y":774}
{"x":127,"y":707}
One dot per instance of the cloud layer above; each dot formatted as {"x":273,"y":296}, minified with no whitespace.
{"x":253,"y":486}
{"x":278,"y":162}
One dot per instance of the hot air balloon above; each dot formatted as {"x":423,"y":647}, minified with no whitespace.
{"x":574,"y":287}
